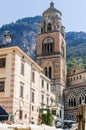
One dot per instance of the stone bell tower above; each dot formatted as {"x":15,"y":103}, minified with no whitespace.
{"x":51,"y":49}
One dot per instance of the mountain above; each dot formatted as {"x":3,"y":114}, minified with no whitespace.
{"x":76,"y":49}
{"x":24,"y":34}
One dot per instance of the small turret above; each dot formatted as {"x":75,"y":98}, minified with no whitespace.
{"x":51,"y":21}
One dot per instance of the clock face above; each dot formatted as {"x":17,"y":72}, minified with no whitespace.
{"x":48,"y":40}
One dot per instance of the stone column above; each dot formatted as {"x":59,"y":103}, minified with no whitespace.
{"x":81,"y":116}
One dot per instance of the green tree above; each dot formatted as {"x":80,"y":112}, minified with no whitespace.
{"x":47,"y":118}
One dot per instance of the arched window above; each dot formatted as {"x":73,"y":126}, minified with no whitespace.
{"x":48,"y":46}
{"x":80,"y":76}
{"x":68,"y":82}
{"x":77,"y":77}
{"x":62,"y":51}
{"x":80,"y":100}
{"x":69,"y":103}
{"x":74,"y":71}
{"x":62,"y":48}
{"x":74,"y":102}
{"x":41,"y":30}
{"x":60,"y":114}
{"x":58,"y":26}
{"x":74,"y":78}
{"x":50,"y":72}
{"x":85,"y":99}
{"x":49,"y":27}
{"x":45,"y":71}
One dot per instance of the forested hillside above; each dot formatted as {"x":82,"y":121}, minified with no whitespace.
{"x":24,"y":32}
{"x":76,"y":48}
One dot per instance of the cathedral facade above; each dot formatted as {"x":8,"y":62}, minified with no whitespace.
{"x":75,"y":92}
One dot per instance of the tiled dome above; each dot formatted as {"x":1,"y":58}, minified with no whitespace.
{"x":51,"y":9}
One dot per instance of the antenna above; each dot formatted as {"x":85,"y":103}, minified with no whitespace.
{"x":52,"y":1}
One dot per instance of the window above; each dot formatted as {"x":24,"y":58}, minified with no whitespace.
{"x":33,"y":76}
{"x":25,"y":116}
{"x":80,"y":76}
{"x":42,"y":98}
{"x":80,"y":100}
{"x":74,"y":102}
{"x":48,"y":45}
{"x":77,"y":77}
{"x":69,"y":103}
{"x":58,"y":26}
{"x":48,"y":48}
{"x":2,"y":62}
{"x":60,"y":114}
{"x":45,"y":71}
{"x":62,"y":50}
{"x":22,"y":68}
{"x":49,"y":27}
{"x":47,"y":86}
{"x":2,"y":84}
{"x":85,"y":99}
{"x":21,"y":91}
{"x":33,"y":97}
{"x":54,"y":112}
{"x":42,"y":83}
{"x":32,"y":108}
{"x":20,"y":114}
{"x":41,"y":30}
{"x":74,"y":78}
{"x":47,"y":101}
{"x":74,"y":71}
{"x":50,"y":72}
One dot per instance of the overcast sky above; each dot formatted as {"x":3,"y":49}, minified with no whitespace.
{"x":73,"y":11}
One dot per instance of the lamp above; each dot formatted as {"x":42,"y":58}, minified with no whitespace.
{"x":8,"y":37}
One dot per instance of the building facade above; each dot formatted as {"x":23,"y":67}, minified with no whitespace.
{"x":51,"y":56}
{"x":75,"y":92}
{"x":23,"y":87}
{"x":51,"y":52}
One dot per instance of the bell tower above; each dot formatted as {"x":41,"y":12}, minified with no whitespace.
{"x":51,"y":49}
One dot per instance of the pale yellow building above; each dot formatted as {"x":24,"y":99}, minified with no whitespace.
{"x":23,"y":87}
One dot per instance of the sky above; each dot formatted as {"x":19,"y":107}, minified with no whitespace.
{"x":73,"y":11}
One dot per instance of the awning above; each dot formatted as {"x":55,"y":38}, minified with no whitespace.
{"x":69,"y":121}
{"x":3,"y":114}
